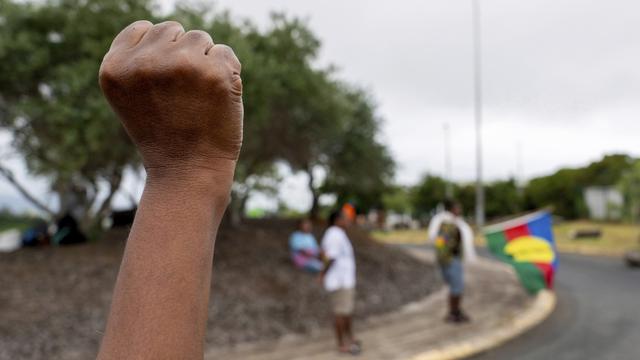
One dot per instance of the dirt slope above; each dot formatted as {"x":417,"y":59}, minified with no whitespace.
{"x":54,"y":301}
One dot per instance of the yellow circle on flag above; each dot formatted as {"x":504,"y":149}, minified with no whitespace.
{"x":530,"y":249}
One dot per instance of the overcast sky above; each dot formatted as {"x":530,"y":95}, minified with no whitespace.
{"x":561,"y":78}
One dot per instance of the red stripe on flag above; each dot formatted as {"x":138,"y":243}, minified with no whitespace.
{"x":516,"y":232}
{"x":547,"y":273}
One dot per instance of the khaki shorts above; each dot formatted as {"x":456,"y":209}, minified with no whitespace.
{"x":343,"y":301}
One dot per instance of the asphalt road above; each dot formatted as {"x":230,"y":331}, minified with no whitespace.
{"x":597,"y":315}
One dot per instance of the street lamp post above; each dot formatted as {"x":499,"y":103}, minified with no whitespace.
{"x":477,"y":71}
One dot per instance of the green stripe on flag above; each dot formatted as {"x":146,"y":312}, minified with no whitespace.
{"x":497,"y":241}
{"x":530,"y":276}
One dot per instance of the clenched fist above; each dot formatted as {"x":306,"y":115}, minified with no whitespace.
{"x":178,"y":95}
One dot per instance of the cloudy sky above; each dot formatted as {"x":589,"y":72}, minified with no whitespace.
{"x":561,"y":78}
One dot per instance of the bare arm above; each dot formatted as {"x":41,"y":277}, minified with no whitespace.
{"x":327,"y":266}
{"x":179,"y":98}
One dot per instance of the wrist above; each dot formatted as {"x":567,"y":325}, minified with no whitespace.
{"x":193,"y":182}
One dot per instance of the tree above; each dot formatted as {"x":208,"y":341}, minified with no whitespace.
{"x":359,"y":167}
{"x":466,"y":195}
{"x":302,"y":115}
{"x":51,"y":102}
{"x":564,"y":190}
{"x":289,"y":105}
{"x":608,"y":171}
{"x":629,"y":186}
{"x":429,"y":192}
{"x":398,"y":199}
{"x":503,"y":199}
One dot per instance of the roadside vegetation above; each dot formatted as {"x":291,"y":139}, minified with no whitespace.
{"x":9,"y":220}
{"x":615,"y":239}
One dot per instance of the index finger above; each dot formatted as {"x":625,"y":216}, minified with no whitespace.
{"x":132,"y":34}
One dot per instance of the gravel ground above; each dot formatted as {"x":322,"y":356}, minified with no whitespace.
{"x":54,"y":301}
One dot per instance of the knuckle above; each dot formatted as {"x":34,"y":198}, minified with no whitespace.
{"x":140,"y":23}
{"x":108,"y":73}
{"x":168,"y":24}
{"x":198,"y":34}
{"x":230,"y":56}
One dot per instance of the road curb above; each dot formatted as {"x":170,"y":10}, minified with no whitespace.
{"x":541,"y":307}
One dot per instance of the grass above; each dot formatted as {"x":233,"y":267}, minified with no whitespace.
{"x":414,"y":237}
{"x":20,"y":223}
{"x":615,"y":239}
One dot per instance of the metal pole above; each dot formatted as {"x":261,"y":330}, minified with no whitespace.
{"x":477,"y":71}
{"x":519,"y":165}
{"x":447,"y":162}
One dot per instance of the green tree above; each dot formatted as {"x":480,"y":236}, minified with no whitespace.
{"x":629,"y":186}
{"x":564,"y":190}
{"x":51,"y":103}
{"x":359,"y":167}
{"x":294,"y":112}
{"x":608,"y":171}
{"x":466,"y":195}
{"x":398,"y":199}
{"x":503,"y":199}
{"x":430,"y":191}
{"x":291,"y":108}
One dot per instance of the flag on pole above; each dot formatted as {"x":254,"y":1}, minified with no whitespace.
{"x":527,"y":244}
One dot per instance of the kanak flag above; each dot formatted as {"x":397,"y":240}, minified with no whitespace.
{"x":527,"y":244}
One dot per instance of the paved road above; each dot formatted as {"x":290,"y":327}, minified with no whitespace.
{"x":597,"y":316}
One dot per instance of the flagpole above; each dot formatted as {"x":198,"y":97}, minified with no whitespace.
{"x":477,"y":71}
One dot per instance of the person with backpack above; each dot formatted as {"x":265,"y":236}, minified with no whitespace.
{"x":453,"y":239}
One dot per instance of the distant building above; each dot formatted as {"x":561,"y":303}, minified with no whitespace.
{"x":604,"y":203}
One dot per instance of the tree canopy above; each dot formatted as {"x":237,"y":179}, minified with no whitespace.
{"x":563,"y":191}
{"x":295,"y":111}
{"x":50,"y":100}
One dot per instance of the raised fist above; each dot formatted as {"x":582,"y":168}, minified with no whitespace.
{"x":178,"y":95}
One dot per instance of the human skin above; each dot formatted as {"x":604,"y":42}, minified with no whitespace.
{"x":179,"y":97}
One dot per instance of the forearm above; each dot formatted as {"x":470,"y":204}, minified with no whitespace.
{"x":327,"y":266}
{"x":162,"y":292}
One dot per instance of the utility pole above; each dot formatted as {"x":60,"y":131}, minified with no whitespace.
{"x":447,"y":162}
{"x":477,"y":72}
{"x":519,"y":165}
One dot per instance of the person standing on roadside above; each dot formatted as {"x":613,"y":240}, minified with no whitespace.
{"x":453,"y":239}
{"x":339,"y":279}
